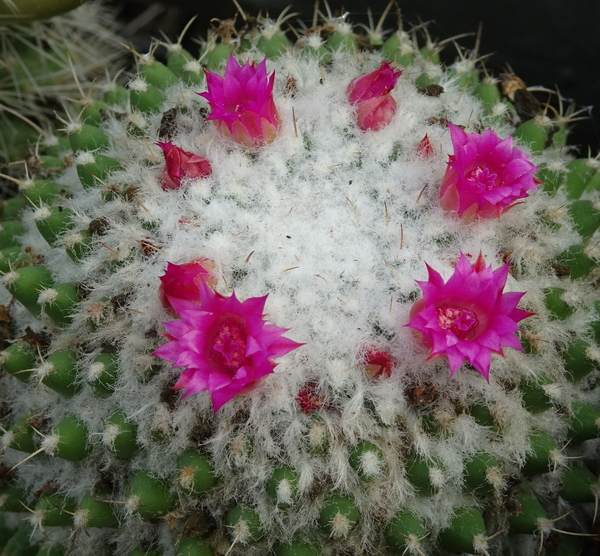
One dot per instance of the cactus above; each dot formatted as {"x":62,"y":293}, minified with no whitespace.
{"x":44,"y":63}
{"x":272,"y":256}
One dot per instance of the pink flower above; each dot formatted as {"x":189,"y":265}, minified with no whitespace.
{"x":378,"y":363}
{"x":468,"y":318}
{"x":183,"y":281}
{"x":224,"y":345}
{"x":242,"y":103}
{"x":370,"y":94}
{"x":485,"y":175}
{"x":180,"y":165}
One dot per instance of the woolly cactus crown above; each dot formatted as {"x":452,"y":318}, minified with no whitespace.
{"x":298,"y":238}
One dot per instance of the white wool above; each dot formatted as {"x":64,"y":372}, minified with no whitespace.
{"x":43,"y":370}
{"x":110,"y":433}
{"x":340,"y":526}
{"x":48,"y":295}
{"x":50,"y":443}
{"x":370,"y":464}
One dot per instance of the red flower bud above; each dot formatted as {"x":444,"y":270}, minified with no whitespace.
{"x":183,"y":281}
{"x":378,"y":363}
{"x":370,"y":94}
{"x":180,"y":165}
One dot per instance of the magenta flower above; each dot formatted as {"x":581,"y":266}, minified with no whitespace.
{"x":180,"y":165}
{"x":242,"y":103}
{"x":469,"y":317}
{"x":183,"y":281}
{"x":224,"y":345}
{"x":485,"y":175}
{"x":370,"y":95}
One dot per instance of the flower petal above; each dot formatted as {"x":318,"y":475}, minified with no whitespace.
{"x":467,"y":318}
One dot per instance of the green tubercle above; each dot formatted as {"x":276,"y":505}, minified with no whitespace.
{"x":539,"y":460}
{"x":116,"y":95}
{"x":552,"y":178}
{"x":482,"y":474}
{"x":102,"y":373}
{"x":576,"y":359}
{"x":52,"y":222}
{"x":525,"y":518}
{"x":42,"y":191}
{"x":282,"y":486}
{"x":22,"y":435}
{"x":78,"y":244}
{"x":585,"y":422}
{"x":25,"y":284}
{"x":120,"y":436}
{"x":19,"y":360}
{"x":274,"y":45}
{"x":466,"y":532}
{"x":243,"y":524}
{"x":404,"y":531}
{"x":196,"y":471}
{"x":214,"y":58}
{"x":92,"y":112}
{"x":586,"y":217}
{"x":193,"y":546}
{"x":535,"y":398}
{"x":558,"y":307}
{"x":86,"y":137}
{"x":576,"y":260}
{"x":581,"y":172}
{"x":10,"y":230}
{"x":338,"y":516}
{"x":482,"y":415}
{"x":54,"y":510}
{"x":59,"y":372}
{"x":579,"y":485}
{"x":96,"y":169}
{"x":488,"y":92}
{"x":534,"y":133}
{"x":68,"y":440}
{"x":60,"y":302}
{"x":157,"y":74}
{"x":93,"y":511}
{"x":425,"y":475}
{"x":367,"y":460}
{"x":145,"y":97}
{"x":150,"y":498}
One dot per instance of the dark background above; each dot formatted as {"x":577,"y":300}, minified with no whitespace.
{"x":550,"y":43}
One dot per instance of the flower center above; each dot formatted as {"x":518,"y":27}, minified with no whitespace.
{"x":229,"y":348}
{"x":457,"y":320}
{"x":482,"y":178}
